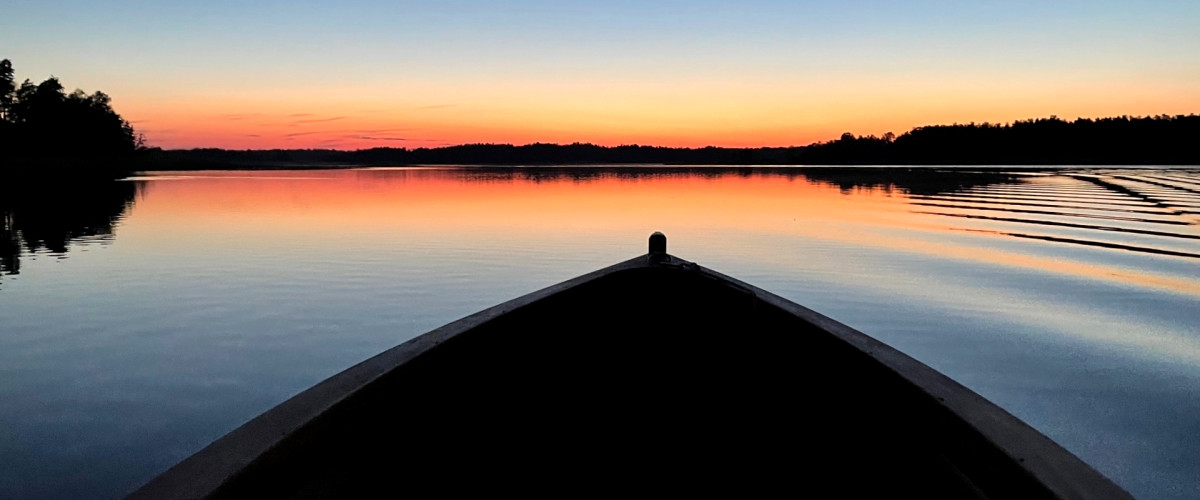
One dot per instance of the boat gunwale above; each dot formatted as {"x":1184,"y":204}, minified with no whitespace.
{"x":1060,"y":471}
{"x":205,"y":472}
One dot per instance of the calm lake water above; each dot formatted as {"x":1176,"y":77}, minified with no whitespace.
{"x":141,"y":320}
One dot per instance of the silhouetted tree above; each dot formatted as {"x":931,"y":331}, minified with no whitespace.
{"x":41,"y":125}
{"x":8,"y":88}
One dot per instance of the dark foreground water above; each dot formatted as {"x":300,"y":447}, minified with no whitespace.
{"x":141,"y":320}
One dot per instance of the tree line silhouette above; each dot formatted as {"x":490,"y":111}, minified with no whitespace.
{"x":1124,"y":140}
{"x":43,"y":126}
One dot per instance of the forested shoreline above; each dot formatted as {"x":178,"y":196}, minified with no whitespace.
{"x":46,"y":131}
{"x":1156,"y":140}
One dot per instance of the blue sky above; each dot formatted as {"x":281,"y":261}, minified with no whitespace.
{"x":149,"y":54}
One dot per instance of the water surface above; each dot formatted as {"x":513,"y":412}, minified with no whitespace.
{"x":141,"y":320}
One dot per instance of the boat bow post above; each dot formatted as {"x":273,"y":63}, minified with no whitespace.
{"x":658,"y":244}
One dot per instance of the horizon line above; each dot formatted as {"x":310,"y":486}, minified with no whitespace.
{"x":580,"y":143}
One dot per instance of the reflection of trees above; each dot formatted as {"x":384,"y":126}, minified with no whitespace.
{"x":599,"y":172}
{"x":10,"y":247}
{"x":912,"y":180}
{"x":922,"y":181}
{"x":50,"y":216}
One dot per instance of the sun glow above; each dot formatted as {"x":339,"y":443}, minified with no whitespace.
{"x":732,"y":114}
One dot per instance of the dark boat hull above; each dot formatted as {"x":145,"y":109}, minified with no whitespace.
{"x":653,"y":375}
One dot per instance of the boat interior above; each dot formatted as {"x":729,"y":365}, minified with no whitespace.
{"x":652,"y":379}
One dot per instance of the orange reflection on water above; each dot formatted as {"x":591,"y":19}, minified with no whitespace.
{"x":438,"y":201}
{"x":474,"y":205}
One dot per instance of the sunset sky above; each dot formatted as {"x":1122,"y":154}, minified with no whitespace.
{"x":355,"y":74}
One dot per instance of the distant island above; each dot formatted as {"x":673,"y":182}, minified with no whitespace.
{"x":46,"y":131}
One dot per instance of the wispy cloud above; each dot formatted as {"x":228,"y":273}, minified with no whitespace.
{"x":330,"y":143}
{"x":299,"y":115}
{"x":298,"y":134}
{"x":382,"y":131}
{"x":318,"y":120}
{"x":238,"y":116}
{"x":375,"y":138}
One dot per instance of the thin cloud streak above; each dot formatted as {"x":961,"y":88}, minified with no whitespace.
{"x":370,"y":138}
{"x":238,"y":116}
{"x":382,"y":131}
{"x":318,"y":120}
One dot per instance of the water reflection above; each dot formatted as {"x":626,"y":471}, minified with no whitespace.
{"x":915,"y":181}
{"x":945,"y":213}
{"x":45,"y":217}
{"x":230,"y":291}
{"x":51,"y":217}
{"x":1069,"y":224}
{"x":919,"y":180}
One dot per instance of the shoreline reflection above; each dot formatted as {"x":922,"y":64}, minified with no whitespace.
{"x":51,"y":217}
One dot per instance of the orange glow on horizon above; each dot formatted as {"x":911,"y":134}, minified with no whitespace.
{"x":730,"y":114}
